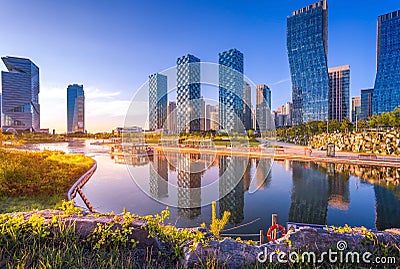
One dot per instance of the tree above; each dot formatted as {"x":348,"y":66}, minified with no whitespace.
{"x":361,"y":124}
{"x":346,"y":125}
{"x":334,"y":125}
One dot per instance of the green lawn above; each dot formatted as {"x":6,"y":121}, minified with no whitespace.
{"x":37,"y":180}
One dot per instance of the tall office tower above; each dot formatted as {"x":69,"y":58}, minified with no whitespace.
{"x":188,"y":93}
{"x":307,"y":45}
{"x":214,"y":120}
{"x":289,"y":112}
{"x":157,"y":102}
{"x":203,"y":114}
{"x":339,"y":92}
{"x":387,"y":82}
{"x":75,"y":109}
{"x":355,"y":109}
{"x":263,"y":107}
{"x":231,"y":90}
{"x":254,"y":119}
{"x":172,"y":117}
{"x":207,"y":120}
{"x":247,"y":106}
{"x":209,"y":110}
{"x":367,"y":103}
{"x":20,"y":97}
{"x":282,"y":110}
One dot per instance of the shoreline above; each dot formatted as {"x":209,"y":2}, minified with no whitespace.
{"x":293,"y":153}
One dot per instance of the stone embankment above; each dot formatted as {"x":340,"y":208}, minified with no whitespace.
{"x":372,"y":174}
{"x":382,"y":143}
{"x":236,"y":254}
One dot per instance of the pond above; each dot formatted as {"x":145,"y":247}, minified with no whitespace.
{"x":318,"y":193}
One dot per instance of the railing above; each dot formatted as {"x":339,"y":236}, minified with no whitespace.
{"x":76,"y":188}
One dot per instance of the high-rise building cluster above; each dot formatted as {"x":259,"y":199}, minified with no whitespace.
{"x":190,"y":113}
{"x":19,"y":100}
{"x":323,"y":93}
{"x":283,"y":115}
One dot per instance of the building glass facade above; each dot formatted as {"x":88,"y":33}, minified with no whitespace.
{"x":247,"y":106}
{"x":188,"y":94}
{"x":366,"y":103}
{"x":307,"y":45}
{"x":387,"y":83}
{"x":231,"y":90}
{"x":158,"y":102}
{"x":339,"y":92}
{"x":75,"y":109}
{"x":263,"y":107}
{"x":172,"y":117}
{"x":20,"y":98}
{"x":355,"y":109}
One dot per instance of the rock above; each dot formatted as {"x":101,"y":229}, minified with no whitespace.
{"x":86,"y":223}
{"x":234,"y":254}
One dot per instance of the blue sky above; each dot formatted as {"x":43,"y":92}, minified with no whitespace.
{"x":112,"y":46}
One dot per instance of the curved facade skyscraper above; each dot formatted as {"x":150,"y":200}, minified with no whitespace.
{"x":386,"y":95}
{"x":188,"y":93}
{"x":20,"y":98}
{"x":231,"y":90}
{"x":307,"y":45}
{"x":75,"y":109}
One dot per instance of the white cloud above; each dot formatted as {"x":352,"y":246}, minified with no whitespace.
{"x":280,"y":81}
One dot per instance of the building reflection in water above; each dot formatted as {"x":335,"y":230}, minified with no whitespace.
{"x":189,"y":184}
{"x":310,"y":192}
{"x":387,"y":207}
{"x":263,"y":176}
{"x":231,"y":187}
{"x":339,"y":191}
{"x":159,"y":175}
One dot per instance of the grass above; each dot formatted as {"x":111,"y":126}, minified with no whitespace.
{"x":36,"y":242}
{"x":37,"y":180}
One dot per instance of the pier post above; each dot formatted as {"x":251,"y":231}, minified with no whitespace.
{"x":261,"y":237}
{"x":274,"y":221}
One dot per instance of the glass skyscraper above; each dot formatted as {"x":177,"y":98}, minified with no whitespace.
{"x":20,"y":97}
{"x":247,"y":106}
{"x":355,"y":109}
{"x":339,"y":92}
{"x":366,"y":103}
{"x":307,"y":45}
{"x":75,"y":109}
{"x":387,"y":83}
{"x":263,"y":108}
{"x":231,"y":90}
{"x":188,"y":93}
{"x":158,"y":102}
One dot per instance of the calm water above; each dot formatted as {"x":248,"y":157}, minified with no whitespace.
{"x":330,"y":194}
